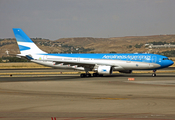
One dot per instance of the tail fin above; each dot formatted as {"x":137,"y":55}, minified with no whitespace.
{"x":25,"y":44}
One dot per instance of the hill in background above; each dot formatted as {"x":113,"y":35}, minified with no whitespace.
{"x":129,"y":44}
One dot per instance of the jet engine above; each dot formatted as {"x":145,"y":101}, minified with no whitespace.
{"x":104,"y":70}
{"x":126,"y":71}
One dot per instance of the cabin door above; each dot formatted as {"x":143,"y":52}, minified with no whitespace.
{"x":128,"y":60}
{"x":154,"y":59}
{"x":45,"y":57}
{"x":78,"y":59}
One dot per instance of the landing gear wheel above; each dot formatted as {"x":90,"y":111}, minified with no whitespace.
{"x":85,"y":75}
{"x":100,"y":75}
{"x":82,"y":75}
{"x":88,"y":75}
{"x":154,"y":74}
{"x":95,"y":74}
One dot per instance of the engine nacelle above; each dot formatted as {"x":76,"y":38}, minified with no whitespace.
{"x":126,"y":71}
{"x":104,"y":70}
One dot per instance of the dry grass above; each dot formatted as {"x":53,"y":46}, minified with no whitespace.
{"x":172,"y":58}
{"x":42,"y":73}
{"x":173,"y":65}
{"x":20,"y":65}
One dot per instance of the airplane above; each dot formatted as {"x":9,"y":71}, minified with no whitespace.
{"x":100,"y":63}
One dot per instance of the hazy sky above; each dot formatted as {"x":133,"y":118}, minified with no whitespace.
{"x":54,"y":19}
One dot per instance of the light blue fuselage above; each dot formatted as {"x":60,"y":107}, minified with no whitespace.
{"x":118,"y":61}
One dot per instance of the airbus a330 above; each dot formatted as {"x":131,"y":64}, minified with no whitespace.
{"x":100,"y":63}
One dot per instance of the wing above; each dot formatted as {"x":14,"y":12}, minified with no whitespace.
{"x":79,"y":63}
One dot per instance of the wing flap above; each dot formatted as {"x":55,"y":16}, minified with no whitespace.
{"x":76,"y":64}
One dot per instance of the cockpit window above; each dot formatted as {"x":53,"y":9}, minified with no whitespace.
{"x":165,"y":59}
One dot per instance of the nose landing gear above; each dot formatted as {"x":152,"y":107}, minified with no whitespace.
{"x":154,"y":73}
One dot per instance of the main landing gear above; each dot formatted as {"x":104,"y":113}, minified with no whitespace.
{"x":154,"y":73}
{"x":97,"y":75}
{"x":85,"y":75}
{"x":89,"y":75}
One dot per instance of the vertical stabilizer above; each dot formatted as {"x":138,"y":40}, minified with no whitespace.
{"x":25,"y":44}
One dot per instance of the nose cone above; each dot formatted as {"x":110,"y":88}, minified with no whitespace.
{"x":170,"y":62}
{"x":166,"y":63}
